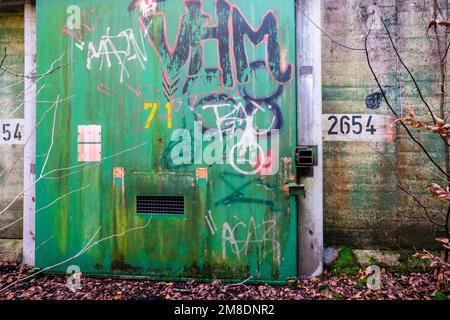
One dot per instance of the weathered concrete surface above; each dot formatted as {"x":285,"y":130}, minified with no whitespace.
{"x":363,"y":205}
{"x":386,"y":258}
{"x":365,"y":257}
{"x":10,"y":250}
{"x":11,"y":106}
{"x":11,"y":5}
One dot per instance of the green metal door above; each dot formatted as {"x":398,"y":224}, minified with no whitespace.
{"x":165,"y":138}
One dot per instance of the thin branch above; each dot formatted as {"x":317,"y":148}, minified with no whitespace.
{"x":395,"y":113}
{"x":12,"y":85}
{"x":3,"y":59}
{"x":26,"y":142}
{"x":81,"y":252}
{"x":242,"y":282}
{"x":425,"y":209}
{"x":407,"y":70}
{"x":62,"y":197}
{"x":21,"y":105}
{"x":47,"y":206}
{"x":326,"y":34}
{"x":66,"y":169}
{"x":444,"y":58}
{"x":447,"y":231}
{"x":52,"y":69}
{"x":55,"y":265}
{"x":23,"y":92}
{"x":402,"y":187}
{"x":7,"y":103}
{"x":52,"y":137}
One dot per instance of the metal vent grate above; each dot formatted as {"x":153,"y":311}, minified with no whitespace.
{"x":160,"y":204}
{"x":306,"y":156}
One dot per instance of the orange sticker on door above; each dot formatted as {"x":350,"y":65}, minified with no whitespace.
{"x":119,"y":172}
{"x":202,"y":173}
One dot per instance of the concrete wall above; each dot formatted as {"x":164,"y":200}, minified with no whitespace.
{"x":11,"y":106}
{"x":364,"y":207}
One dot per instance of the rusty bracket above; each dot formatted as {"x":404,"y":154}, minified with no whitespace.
{"x":296,"y":189}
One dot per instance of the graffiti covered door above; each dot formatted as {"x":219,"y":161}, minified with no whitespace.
{"x":159,"y":130}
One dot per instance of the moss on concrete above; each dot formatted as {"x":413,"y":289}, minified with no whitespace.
{"x":405,"y":265}
{"x":346,"y":263}
{"x":361,"y":283}
{"x":440,"y":296}
{"x":400,"y":262}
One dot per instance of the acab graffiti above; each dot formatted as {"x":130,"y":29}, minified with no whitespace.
{"x":263,"y":235}
{"x":240,"y":237}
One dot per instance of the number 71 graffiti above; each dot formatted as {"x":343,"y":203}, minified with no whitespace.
{"x":154,"y":108}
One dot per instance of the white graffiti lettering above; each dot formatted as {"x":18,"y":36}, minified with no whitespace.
{"x":121,"y":48}
{"x":263,"y":234}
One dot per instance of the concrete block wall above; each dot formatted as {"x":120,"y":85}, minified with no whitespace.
{"x":364,"y":206}
{"x":11,"y":157}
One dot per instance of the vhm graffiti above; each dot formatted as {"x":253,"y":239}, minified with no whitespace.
{"x":194,"y":28}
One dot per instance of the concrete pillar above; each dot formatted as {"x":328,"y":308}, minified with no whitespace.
{"x":309,"y":132}
{"x":29,"y":155}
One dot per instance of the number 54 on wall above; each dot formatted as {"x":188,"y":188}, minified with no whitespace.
{"x":11,"y":131}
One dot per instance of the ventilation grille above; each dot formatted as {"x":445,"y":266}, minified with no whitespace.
{"x":306,"y":156}
{"x":160,"y":204}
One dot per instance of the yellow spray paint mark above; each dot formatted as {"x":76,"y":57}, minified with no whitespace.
{"x":154,"y":107}
{"x":169,"y":115}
